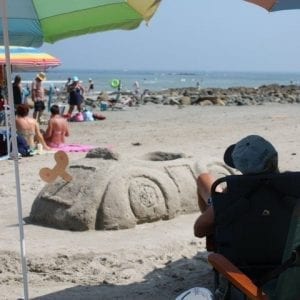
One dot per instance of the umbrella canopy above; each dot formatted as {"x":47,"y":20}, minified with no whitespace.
{"x":32,"y":22}
{"x":275,"y":5}
{"x":28,"y":59}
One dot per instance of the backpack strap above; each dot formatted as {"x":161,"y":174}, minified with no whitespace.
{"x":216,"y":183}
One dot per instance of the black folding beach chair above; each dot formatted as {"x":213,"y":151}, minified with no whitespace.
{"x":257,"y":237}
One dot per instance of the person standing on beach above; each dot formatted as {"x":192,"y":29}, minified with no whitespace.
{"x":67,"y":84}
{"x":38,"y":96}
{"x":91,"y":86}
{"x":17,"y":90}
{"x":57,"y":129}
{"x":136,"y":92}
{"x":76,"y":92}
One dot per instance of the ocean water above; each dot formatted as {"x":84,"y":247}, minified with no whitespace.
{"x":160,"y":80}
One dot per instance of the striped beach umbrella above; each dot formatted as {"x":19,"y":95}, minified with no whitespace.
{"x":28,"y":59}
{"x":33,"y":22}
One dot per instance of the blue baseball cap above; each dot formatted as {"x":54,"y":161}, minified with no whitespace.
{"x":251,"y":155}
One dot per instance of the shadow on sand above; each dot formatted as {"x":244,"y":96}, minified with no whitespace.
{"x":160,"y":284}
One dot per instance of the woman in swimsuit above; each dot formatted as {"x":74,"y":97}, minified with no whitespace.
{"x":57,"y":129}
{"x":28,"y":128}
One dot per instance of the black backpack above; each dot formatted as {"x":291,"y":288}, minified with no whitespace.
{"x":252,"y":219}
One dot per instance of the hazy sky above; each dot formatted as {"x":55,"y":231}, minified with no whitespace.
{"x":193,"y":35}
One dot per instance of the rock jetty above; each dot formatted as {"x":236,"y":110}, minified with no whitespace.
{"x":264,"y":94}
{"x":273,"y":93}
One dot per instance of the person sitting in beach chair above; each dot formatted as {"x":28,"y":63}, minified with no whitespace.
{"x":257,"y":245}
{"x":250,"y":222}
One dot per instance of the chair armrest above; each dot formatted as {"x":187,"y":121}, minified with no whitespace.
{"x":236,"y":277}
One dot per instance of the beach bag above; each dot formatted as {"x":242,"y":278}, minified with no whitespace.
{"x":77,"y":118}
{"x":103,"y":106}
{"x":88,"y":116}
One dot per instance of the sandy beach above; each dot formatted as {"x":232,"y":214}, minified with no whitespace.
{"x":156,"y":260}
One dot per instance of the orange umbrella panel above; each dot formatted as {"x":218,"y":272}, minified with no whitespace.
{"x":29,"y":59}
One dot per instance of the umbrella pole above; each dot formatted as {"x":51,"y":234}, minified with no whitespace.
{"x":15,"y":153}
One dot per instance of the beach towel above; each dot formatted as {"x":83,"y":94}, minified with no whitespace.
{"x":74,"y":148}
{"x":77,"y":117}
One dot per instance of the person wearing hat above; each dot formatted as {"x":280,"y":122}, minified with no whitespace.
{"x":38,"y":95}
{"x":76,"y":92}
{"x":251,"y":155}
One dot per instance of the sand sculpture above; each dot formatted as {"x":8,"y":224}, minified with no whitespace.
{"x":107,"y":192}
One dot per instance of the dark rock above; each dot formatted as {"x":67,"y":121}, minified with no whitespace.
{"x":103,"y":153}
